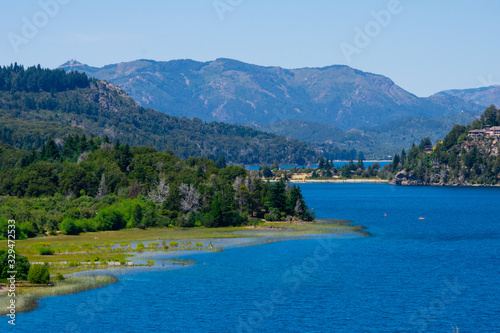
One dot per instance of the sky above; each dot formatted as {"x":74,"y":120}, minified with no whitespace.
{"x":424,"y":46}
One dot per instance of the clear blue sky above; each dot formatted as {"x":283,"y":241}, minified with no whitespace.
{"x":425,"y":47}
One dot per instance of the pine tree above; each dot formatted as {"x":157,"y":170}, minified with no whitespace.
{"x":50,"y":151}
{"x":277,"y":198}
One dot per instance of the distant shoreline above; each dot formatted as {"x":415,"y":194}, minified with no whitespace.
{"x":368,"y":161}
{"x":360,"y":181}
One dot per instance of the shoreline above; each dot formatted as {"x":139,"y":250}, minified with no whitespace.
{"x":352,"y":181}
{"x":241,"y":237}
{"x":28,"y":301}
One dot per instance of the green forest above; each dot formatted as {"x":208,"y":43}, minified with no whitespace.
{"x":37,"y":104}
{"x":458,"y":159}
{"x":90,"y":184}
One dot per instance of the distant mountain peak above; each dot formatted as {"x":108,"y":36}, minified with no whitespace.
{"x":484,"y":96}
{"x":236,"y":92}
{"x":72,"y":63}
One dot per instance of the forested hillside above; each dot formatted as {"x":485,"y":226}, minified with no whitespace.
{"x":456,"y":160}
{"x":37,"y":104}
{"x":84,"y":184}
{"x":376,"y":142}
{"x":238,"y":93}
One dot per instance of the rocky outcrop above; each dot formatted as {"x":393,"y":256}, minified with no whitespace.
{"x":407,"y":178}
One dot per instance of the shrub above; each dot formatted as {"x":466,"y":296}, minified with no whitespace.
{"x":22,"y":266}
{"x":27,"y":229}
{"x":59,"y":277}
{"x":111,"y":218}
{"x":39,"y":274}
{"x":173,"y":244}
{"x":88,"y":225}
{"x":86,"y":213}
{"x":140,"y":246}
{"x":274,"y":215}
{"x":46,"y":251}
{"x":4,"y":228}
{"x":73,"y":213}
{"x":186,"y":221}
{"x":69,"y":227}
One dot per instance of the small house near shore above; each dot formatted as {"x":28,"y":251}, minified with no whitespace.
{"x":488,"y":132}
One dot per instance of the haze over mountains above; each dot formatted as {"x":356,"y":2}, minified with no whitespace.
{"x":480,"y":96}
{"x":267,"y":98}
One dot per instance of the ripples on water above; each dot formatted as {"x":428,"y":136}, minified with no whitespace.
{"x":410,"y":275}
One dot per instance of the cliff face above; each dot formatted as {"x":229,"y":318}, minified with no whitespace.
{"x":472,"y":162}
{"x":407,"y":178}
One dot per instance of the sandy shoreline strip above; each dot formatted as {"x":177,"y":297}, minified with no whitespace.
{"x":360,"y":181}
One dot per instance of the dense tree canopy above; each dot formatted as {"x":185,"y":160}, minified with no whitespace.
{"x":89,"y":184}
{"x":37,"y":104}
{"x":458,"y":159}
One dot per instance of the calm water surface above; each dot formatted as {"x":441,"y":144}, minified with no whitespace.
{"x":411,"y":275}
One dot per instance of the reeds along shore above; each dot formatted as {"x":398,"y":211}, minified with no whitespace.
{"x":27,"y":298}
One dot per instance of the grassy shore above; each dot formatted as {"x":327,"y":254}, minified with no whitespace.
{"x":27,"y":297}
{"x":96,"y":249}
{"x":117,"y":246}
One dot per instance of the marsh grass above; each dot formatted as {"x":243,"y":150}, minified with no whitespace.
{"x":94,"y":241}
{"x":27,"y":298}
{"x":88,"y":246}
{"x":182,"y":262}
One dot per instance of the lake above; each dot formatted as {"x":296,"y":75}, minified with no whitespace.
{"x":410,"y":275}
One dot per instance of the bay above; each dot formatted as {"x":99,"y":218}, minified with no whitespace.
{"x":409,"y":275}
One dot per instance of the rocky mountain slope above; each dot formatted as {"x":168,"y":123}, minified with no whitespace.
{"x":235,"y":92}
{"x":36,"y":103}
{"x":484,"y":96}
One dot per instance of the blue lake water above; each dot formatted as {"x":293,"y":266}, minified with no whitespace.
{"x":410,"y":275}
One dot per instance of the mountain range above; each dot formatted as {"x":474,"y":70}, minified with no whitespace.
{"x":484,"y":96}
{"x":37,"y":104}
{"x":339,"y":104}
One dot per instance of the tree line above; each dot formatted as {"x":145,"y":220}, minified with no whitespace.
{"x":89,"y":184}
{"x":457,"y":159}
{"x":41,"y":103}
{"x":35,"y":79}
